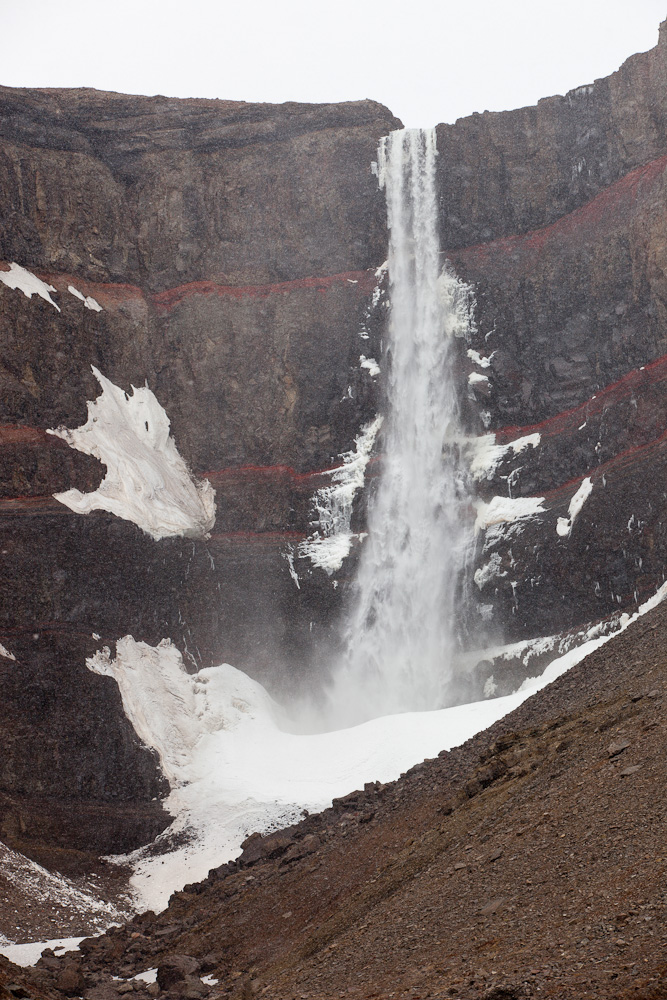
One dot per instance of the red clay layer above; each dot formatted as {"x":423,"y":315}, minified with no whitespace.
{"x":111,"y":295}
{"x":581,"y":224}
{"x":639,"y":378}
{"x":625,"y":460}
{"x":251,"y":473}
{"x":244,"y":537}
{"x":12,"y":434}
{"x":20,"y":506}
{"x":364,"y":281}
{"x":592,"y":219}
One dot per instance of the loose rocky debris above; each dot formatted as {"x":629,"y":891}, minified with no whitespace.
{"x":530,"y":862}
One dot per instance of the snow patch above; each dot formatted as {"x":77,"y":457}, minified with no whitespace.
{"x":149,"y":976}
{"x":332,"y":541}
{"x":147,"y":482}
{"x":504,"y":510}
{"x":5,"y":652}
{"x":370,"y":364}
{"x":488,"y":455}
{"x":564,"y":524}
{"x":28,"y":283}
{"x":563,"y":663}
{"x":477,"y":358}
{"x":490,"y":687}
{"x":88,"y":301}
{"x":52,"y":891}
{"x":475,"y":378}
{"x":236,"y":769}
{"x":380,"y":273}
{"x":30,"y":953}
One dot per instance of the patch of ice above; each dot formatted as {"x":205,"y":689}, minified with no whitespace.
{"x":490,"y":687}
{"x":457,"y":304}
{"x":474,"y":378}
{"x":289,"y":556}
{"x":5,"y":652}
{"x":30,"y":953}
{"x":564,"y":524}
{"x":576,"y":655}
{"x":504,"y":510}
{"x":370,"y":364}
{"x":147,"y":482}
{"x":489,"y":571}
{"x":332,"y":540}
{"x":88,"y":301}
{"x":380,"y":272}
{"x":233,"y":769}
{"x":149,"y":976}
{"x":477,"y":358}
{"x":487,"y":455}
{"x":28,"y":283}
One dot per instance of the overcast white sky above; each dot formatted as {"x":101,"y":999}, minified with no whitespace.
{"x":428,"y":60}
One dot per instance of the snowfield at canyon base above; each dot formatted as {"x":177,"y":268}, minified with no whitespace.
{"x":234,"y":767}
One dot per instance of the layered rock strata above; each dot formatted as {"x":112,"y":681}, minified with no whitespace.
{"x":232,"y":253}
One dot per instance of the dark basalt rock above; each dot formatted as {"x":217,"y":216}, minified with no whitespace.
{"x":233,"y":250}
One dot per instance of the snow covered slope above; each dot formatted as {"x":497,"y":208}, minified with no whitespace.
{"x":234,"y":766}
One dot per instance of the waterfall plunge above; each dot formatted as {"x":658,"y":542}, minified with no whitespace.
{"x":400,"y":635}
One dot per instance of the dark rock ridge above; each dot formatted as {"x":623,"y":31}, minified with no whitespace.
{"x":233,"y":249}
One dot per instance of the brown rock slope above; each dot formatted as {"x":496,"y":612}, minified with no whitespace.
{"x":528,"y":863}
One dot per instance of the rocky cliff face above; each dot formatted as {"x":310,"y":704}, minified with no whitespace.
{"x":572,"y":315}
{"x":225,"y":255}
{"x":231,"y":250}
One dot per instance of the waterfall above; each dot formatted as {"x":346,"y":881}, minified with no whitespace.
{"x":400,"y":636}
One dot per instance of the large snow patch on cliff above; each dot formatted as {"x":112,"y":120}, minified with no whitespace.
{"x":147,"y":481}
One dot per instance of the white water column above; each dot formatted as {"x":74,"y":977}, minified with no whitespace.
{"x":400,"y":636}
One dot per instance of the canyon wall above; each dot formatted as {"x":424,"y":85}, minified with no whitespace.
{"x":225,"y":257}
{"x":566,"y":246}
{"x":228,"y":257}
